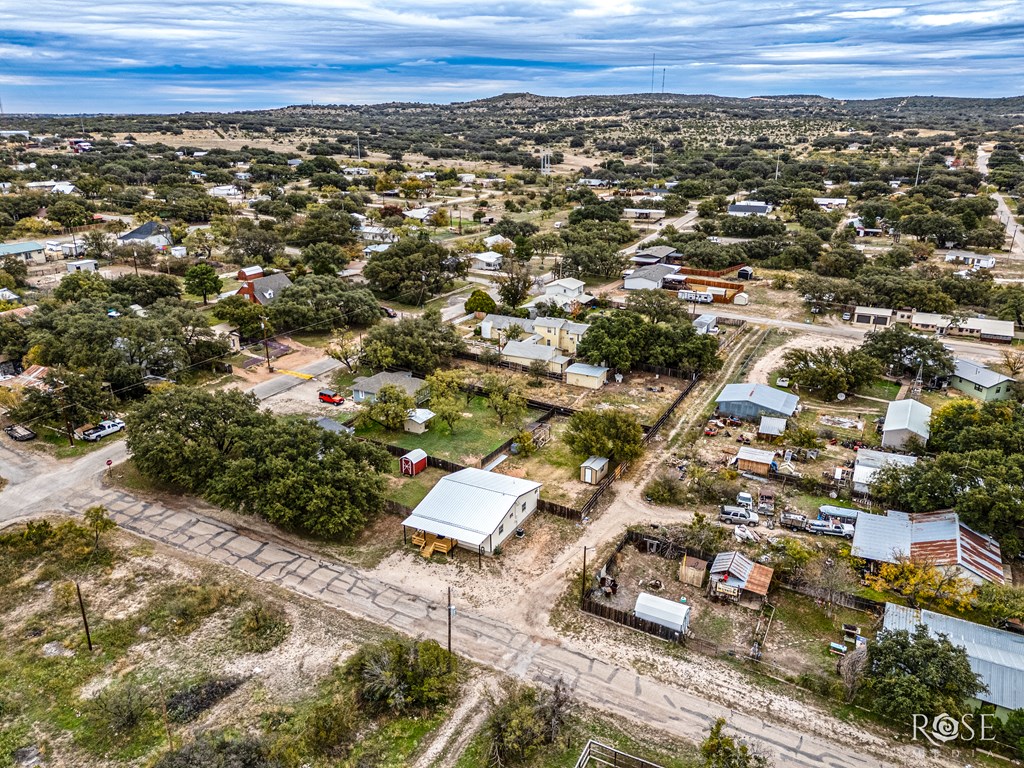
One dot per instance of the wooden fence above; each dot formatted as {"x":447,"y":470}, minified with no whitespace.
{"x":475,"y":357}
{"x":627,"y":619}
{"x":560,"y":510}
{"x":598,"y":755}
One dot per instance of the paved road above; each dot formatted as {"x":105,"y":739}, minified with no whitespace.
{"x":285,"y":381}
{"x":679,"y":223}
{"x":1014,"y":233}
{"x":71,"y":486}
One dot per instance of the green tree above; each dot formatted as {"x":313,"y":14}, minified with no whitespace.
{"x":324,"y":225}
{"x":81,"y":285}
{"x":68,"y":397}
{"x":200,"y":242}
{"x":99,"y":245}
{"x":323,"y":302}
{"x":829,"y":371}
{"x":612,"y":434}
{"x":445,"y":389}
{"x":413,"y":270}
{"x":251,"y":319}
{"x":324,"y":258}
{"x":97,"y":519}
{"x":390,"y":408}
{"x":514,"y":282}
{"x":202,"y":280}
{"x":505,"y":396}
{"x":254,"y":245}
{"x":402,"y":674}
{"x":421,"y":344}
{"x":719,"y":750}
{"x":480,"y":301}
{"x":656,"y":305}
{"x":916,"y":674}
{"x":899,"y":349}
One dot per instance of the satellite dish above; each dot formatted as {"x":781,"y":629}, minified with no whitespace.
{"x":841,"y":396}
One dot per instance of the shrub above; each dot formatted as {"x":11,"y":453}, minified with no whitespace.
{"x":184,"y":608}
{"x":186,"y":705}
{"x":212,"y":750}
{"x":401,"y":674}
{"x":526,"y":720}
{"x":665,"y":489}
{"x":260,"y":627}
{"x":122,"y":708}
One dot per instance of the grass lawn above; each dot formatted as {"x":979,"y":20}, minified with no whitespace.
{"x":881,"y":388}
{"x":812,"y":627}
{"x":477,"y":434}
{"x":557,"y":468}
{"x":411,"y":490}
{"x":57,"y":443}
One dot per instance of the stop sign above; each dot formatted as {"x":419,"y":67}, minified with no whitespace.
{"x":109,"y":462}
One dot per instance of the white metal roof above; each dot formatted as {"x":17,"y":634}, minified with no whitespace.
{"x":995,"y":655}
{"x":746,"y":453}
{"x":772,"y":425}
{"x":665,"y":612}
{"x":530,"y":351}
{"x":908,"y":414}
{"x":978,"y":374}
{"x":416,"y":454}
{"x":420,"y":415}
{"x":468,"y":505}
{"x":583,"y":369}
{"x":595,"y":462}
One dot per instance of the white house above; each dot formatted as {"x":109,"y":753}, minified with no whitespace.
{"x":649,"y":278}
{"x":564,"y":293}
{"x":477,"y":509}
{"x":905,"y":419}
{"x":868,"y":463}
{"x":750,"y":208}
{"x":488,"y":260}
{"x":495,"y":240}
{"x":225,"y":190}
{"x":152,"y":232}
{"x":972,"y":260}
{"x":417,"y":420}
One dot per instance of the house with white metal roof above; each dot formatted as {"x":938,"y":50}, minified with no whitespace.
{"x":771,"y":426}
{"x":750,"y":401}
{"x":586,"y":375}
{"x":477,"y":509}
{"x":488,"y":260}
{"x":649,"y":278}
{"x":979,"y":382}
{"x":936,"y":538}
{"x":868,"y":463}
{"x":526,"y":352}
{"x":995,"y":655}
{"x":905,"y":419}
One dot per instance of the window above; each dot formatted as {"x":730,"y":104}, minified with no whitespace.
{"x":977,"y":388}
{"x":501,"y":528}
{"x":524,"y":506}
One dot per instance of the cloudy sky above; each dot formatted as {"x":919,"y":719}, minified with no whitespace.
{"x":180,"y":55}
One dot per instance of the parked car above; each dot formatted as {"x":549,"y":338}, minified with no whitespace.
{"x":824,"y":527}
{"x":330,"y":397}
{"x":19,"y":433}
{"x":738,"y":516}
{"x":101,"y":430}
{"x":745,"y":500}
{"x":847,"y":316}
{"x":388,"y":311}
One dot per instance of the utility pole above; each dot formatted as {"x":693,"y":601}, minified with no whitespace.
{"x":918,"y":177}
{"x":64,"y":412}
{"x":85,"y":621}
{"x":583,"y":581}
{"x":135,"y":260}
{"x":451,"y":612}
{"x":266,"y":345}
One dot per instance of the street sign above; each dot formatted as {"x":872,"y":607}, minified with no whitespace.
{"x":110,"y":462}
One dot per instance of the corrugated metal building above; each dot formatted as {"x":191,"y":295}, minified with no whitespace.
{"x":995,"y":655}
{"x":750,"y":401}
{"x":905,"y":419}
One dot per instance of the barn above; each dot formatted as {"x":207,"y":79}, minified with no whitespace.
{"x":750,"y":401}
{"x":413,"y":462}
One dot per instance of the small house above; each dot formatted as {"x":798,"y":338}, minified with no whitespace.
{"x":587,"y":376}
{"x":665,"y":613}
{"x":525,"y":353}
{"x":594,"y":470}
{"x":905,"y":419}
{"x":83,"y":265}
{"x":749,"y":401}
{"x":494,"y":326}
{"x":649,"y":278}
{"x":265,"y":290}
{"x":736,"y":577}
{"x":488,"y":260}
{"x":868,"y":463}
{"x":249,"y":273}
{"x":366,"y":387}
{"x":472,"y":508}
{"x":979,"y":382}
{"x":30,"y":252}
{"x":706,"y":323}
{"x":749,"y":208}
{"x":755,"y":460}
{"x":417,"y":420}
{"x":227,"y":332}
{"x":494,"y":241}
{"x":413,"y":462}
{"x":153,"y":232}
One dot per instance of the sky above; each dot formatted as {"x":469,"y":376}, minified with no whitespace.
{"x":69,"y":56}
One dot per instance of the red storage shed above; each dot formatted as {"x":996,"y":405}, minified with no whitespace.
{"x":413,"y":462}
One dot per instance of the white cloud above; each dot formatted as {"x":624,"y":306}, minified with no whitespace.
{"x":871,"y":13}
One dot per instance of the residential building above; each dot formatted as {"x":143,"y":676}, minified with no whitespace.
{"x":152,"y":232}
{"x":749,"y":208}
{"x":225,"y":190}
{"x":979,"y":382}
{"x":526,"y":352}
{"x":656,"y":254}
{"x":981,"y":328}
{"x":751,"y":401}
{"x":830,"y":203}
{"x":30,"y":252}
{"x":493,"y":327}
{"x":649,"y":278}
{"x":643,"y":214}
{"x":736,"y":577}
{"x":83,"y":265}
{"x":587,"y":376}
{"x":905,"y":420}
{"x":370,"y":250}
{"x":995,"y":655}
{"x":935,"y":538}
{"x":265,"y":290}
{"x":971,"y":259}
{"x":559,"y":332}
{"x":6,"y":294}
{"x":488,"y":260}
{"x":706,"y":323}
{"x":228,"y":333}
{"x":475,"y":509}
{"x":564,"y":293}
{"x":377,"y":234}
{"x":490,"y":243}
{"x":868,"y":463}
{"x":418,"y":214}
{"x":366,"y":388}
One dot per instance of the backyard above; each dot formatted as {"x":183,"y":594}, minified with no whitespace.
{"x":555,"y":466}
{"x":476,"y":435}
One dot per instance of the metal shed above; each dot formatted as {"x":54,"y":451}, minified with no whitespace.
{"x":665,"y":613}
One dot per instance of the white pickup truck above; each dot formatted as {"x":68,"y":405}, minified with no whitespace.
{"x":103,"y":429}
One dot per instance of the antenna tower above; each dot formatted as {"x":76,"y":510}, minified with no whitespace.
{"x":545,"y":162}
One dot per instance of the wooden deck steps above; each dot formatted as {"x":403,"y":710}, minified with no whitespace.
{"x":430,"y":543}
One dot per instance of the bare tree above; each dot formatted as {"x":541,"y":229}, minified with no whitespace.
{"x":1012,"y":361}
{"x":852,"y":668}
{"x":831,"y":575}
